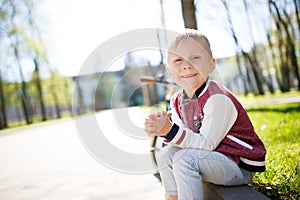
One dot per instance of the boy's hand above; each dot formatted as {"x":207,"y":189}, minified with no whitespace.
{"x":158,"y":124}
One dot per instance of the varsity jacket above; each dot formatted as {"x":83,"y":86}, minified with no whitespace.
{"x":216,"y":121}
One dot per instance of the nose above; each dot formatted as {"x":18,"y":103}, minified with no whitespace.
{"x":186,"y":65}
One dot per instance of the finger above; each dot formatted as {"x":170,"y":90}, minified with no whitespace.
{"x":149,"y":121}
{"x":153,"y":134}
{"x":158,"y":114}
{"x":152,"y":117}
{"x":150,"y":129}
{"x":153,"y":114}
{"x":148,"y":124}
{"x":169,"y":115}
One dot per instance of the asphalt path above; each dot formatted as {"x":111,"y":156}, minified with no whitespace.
{"x":50,"y":162}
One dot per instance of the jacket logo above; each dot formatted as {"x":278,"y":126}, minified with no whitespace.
{"x":197,"y":120}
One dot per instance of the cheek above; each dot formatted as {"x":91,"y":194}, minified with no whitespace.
{"x":172,"y":71}
{"x":204,"y":67}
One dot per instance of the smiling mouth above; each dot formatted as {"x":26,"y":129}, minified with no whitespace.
{"x":188,"y":75}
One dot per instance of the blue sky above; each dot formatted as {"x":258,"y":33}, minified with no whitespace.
{"x":72,"y":29}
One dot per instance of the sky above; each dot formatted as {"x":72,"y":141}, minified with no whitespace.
{"x":73,"y":29}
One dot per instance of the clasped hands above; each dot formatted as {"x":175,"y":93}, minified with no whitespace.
{"x":158,"y":124}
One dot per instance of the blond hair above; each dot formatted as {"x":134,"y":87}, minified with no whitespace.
{"x":195,"y":35}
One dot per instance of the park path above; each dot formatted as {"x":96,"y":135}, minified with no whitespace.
{"x":48,"y":162}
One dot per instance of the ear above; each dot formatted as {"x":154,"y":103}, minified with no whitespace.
{"x":212,"y":65}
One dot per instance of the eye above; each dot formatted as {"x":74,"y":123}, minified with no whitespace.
{"x":177,"y":60}
{"x":196,"y":57}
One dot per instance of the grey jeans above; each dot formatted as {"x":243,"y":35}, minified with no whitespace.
{"x":183,"y":170}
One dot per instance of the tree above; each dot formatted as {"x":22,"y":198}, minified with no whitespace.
{"x":3,"y":119}
{"x":252,"y":60}
{"x":266,"y":35}
{"x":24,"y":91}
{"x":287,"y":47}
{"x":297,"y":5}
{"x":38,"y":52}
{"x":19,"y":38}
{"x":188,"y":13}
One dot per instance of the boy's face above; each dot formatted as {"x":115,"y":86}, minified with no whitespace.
{"x":189,"y":64}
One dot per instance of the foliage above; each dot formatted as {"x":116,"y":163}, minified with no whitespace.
{"x":61,"y":86}
{"x":267,"y":45}
{"x":279,"y":128}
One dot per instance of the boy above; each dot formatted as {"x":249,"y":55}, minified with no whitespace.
{"x":210,"y":136}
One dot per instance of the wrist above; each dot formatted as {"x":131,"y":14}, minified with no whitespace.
{"x":166,"y":129}
{"x":170,"y":127}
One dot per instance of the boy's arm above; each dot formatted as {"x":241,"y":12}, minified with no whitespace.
{"x":219,"y":116}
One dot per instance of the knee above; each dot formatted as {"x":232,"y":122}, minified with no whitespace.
{"x":188,"y":158}
{"x":181,"y":159}
{"x":165,"y":156}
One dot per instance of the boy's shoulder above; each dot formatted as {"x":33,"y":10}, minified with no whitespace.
{"x":218,"y":87}
{"x":176,"y":95}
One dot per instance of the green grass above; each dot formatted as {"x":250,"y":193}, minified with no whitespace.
{"x":279,"y":127}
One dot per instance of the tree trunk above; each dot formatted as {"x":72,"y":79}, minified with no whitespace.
{"x":284,"y":79}
{"x":254,"y":60}
{"x":188,"y":12}
{"x":67,"y":97}
{"x":3,"y":119}
{"x":24,"y":95}
{"x":290,"y":45}
{"x":296,"y":4}
{"x":238,"y":61}
{"x":56,"y":105}
{"x":246,"y":55}
{"x":39,"y":89}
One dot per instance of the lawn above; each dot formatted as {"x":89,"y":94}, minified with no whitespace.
{"x":278,"y":125}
